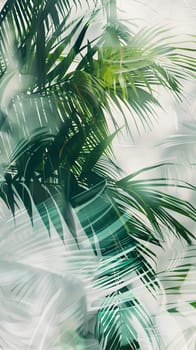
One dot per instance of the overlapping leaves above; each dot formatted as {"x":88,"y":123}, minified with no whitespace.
{"x":73,"y":82}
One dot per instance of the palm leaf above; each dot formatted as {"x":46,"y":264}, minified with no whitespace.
{"x":33,"y":280}
{"x":178,"y":295}
{"x":115,"y":328}
{"x":181,"y":144}
{"x":141,"y":193}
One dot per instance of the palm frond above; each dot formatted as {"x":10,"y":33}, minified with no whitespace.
{"x":158,"y":206}
{"x":39,"y":277}
{"x":182,"y":144}
{"x":178,"y":280}
{"x":178,"y":296}
{"x":36,"y":273}
{"x":126,"y":74}
{"x":134,"y":68}
{"x":115,"y":323}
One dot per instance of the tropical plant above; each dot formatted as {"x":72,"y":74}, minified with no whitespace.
{"x":58,"y":89}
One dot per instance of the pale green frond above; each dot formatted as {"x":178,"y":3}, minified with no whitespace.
{"x":182,"y":145}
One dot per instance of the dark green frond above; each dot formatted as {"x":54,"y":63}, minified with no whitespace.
{"x":158,"y":206}
{"x":123,"y":323}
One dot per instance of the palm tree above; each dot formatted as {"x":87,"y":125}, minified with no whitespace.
{"x":58,"y":88}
